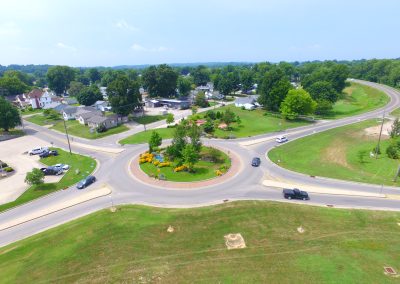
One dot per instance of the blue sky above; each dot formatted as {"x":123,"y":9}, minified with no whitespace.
{"x":117,"y":32}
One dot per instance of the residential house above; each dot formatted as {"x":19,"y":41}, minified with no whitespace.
{"x":215,"y":95}
{"x":249,"y":102}
{"x":70,"y":101}
{"x":102,"y":106}
{"x":182,"y":103}
{"x":103,"y":91}
{"x":153,"y":103}
{"x":107,"y":121}
{"x":60,"y":108}
{"x":37,"y":98}
{"x":84,"y":116}
{"x":69,"y":112}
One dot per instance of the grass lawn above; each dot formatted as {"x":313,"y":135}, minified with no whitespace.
{"x":255,"y":122}
{"x":333,"y":153}
{"x":17,"y":132}
{"x":203,"y":169}
{"x":33,"y":111}
{"x":85,"y":165}
{"x":396,"y":112}
{"x":132,"y":245}
{"x":358,"y":99}
{"x":149,"y":119}
{"x":74,"y":127}
{"x":144,"y":136}
{"x":77,"y":129}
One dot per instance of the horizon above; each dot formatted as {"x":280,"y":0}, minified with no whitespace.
{"x":100,"y":33}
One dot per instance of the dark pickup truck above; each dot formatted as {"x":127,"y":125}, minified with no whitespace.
{"x":295,"y":194}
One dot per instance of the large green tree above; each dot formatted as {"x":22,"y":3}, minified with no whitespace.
{"x":201,"y":75}
{"x":59,"y":78}
{"x":155,"y":141}
{"x":89,"y":95}
{"x":323,"y":90}
{"x":190,"y":156}
{"x":9,"y":115}
{"x":297,"y":102}
{"x":184,"y":85}
{"x":123,"y":95}
{"x":75,"y":88}
{"x":93,"y":74}
{"x":273,"y":89}
{"x":11,"y":86}
{"x":160,"y":81}
{"x":35,"y":177}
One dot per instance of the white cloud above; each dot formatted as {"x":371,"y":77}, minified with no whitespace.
{"x":66,"y":47}
{"x":9,"y":29}
{"x":124,"y":25}
{"x":138,"y":47}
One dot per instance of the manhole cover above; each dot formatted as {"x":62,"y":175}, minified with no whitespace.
{"x":389,"y":270}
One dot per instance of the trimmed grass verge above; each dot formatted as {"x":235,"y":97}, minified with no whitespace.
{"x":133,"y":245}
{"x":144,"y":136}
{"x":84,"y":164}
{"x":149,"y":119}
{"x":334,"y":154}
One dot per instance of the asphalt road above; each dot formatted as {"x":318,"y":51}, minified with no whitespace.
{"x":246,"y":185}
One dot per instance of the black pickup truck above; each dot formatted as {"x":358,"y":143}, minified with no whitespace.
{"x":295,"y":194}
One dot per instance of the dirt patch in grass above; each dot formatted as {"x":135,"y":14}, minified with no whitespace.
{"x":336,"y":153}
{"x":373,"y":131}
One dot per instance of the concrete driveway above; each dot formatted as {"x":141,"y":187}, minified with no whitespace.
{"x":12,"y":152}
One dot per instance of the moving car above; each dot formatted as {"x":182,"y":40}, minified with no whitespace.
{"x":256,"y":162}
{"x":86,"y":182}
{"x":37,"y":150}
{"x":281,"y":139}
{"x":295,"y":194}
{"x":63,"y":167}
{"x":48,"y":153}
{"x":51,"y":171}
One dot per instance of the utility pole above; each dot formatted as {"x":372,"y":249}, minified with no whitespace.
{"x":66,"y":133}
{"x":380,"y":135}
{"x":397,"y":174}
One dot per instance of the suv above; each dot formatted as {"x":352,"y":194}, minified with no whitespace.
{"x":86,"y":182}
{"x":48,"y":153}
{"x":38,"y":150}
{"x":51,"y":171}
{"x":281,"y":139}
{"x":256,"y":162}
{"x":295,"y":194}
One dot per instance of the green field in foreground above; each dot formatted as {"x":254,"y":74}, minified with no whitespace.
{"x":358,"y":99}
{"x":333,"y":154}
{"x":74,"y":127}
{"x":132,"y":245}
{"x":84,"y":164}
{"x":203,"y":170}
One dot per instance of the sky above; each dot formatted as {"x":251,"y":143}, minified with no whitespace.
{"x":118,"y":32}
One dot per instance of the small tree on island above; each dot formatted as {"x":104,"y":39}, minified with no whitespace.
{"x":361,"y":156}
{"x":35,"y":177}
{"x":170,"y":118}
{"x":190,"y":156}
{"x":155,"y":141}
{"x":228,"y":117}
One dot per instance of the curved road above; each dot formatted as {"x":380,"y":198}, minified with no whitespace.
{"x":245,"y":185}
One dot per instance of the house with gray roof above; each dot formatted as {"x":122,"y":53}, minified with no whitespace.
{"x":107,"y":121}
{"x":249,"y":102}
{"x":83,"y":117}
{"x":102,"y":106}
{"x":69,"y":112}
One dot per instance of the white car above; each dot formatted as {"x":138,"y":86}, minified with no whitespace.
{"x":63,"y":167}
{"x":38,"y":150}
{"x":281,"y":139}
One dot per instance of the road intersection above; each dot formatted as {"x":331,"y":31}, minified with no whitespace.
{"x":246,"y":184}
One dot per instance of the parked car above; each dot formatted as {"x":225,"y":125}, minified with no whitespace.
{"x":48,"y":153}
{"x":256,"y":162}
{"x":86,"y":182}
{"x":51,"y":171}
{"x":37,"y":150}
{"x":63,"y":167}
{"x":295,"y":194}
{"x":281,"y":139}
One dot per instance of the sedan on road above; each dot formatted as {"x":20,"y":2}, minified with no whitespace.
{"x":281,"y":139}
{"x":256,"y":162}
{"x":86,"y":182}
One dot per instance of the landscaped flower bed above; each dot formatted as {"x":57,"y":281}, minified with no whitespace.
{"x":212,"y":163}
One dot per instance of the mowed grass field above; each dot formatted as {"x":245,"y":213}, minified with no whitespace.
{"x":334,"y":154}
{"x":132,"y":245}
{"x":84,"y":164}
{"x":74,"y":127}
{"x":357,"y":98}
{"x":144,"y":136}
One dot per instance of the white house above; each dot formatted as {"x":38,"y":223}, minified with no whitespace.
{"x":102,"y":106}
{"x":37,"y":98}
{"x":248,"y":103}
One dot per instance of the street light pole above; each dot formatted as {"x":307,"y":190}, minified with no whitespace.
{"x":66,"y":132}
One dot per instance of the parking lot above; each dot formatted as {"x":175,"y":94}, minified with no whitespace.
{"x":14,"y":153}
